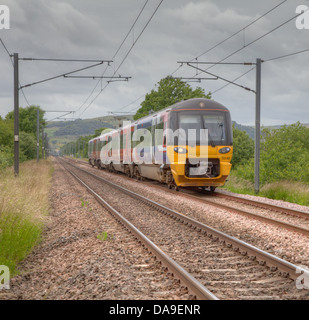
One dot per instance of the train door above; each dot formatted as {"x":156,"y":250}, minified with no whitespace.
{"x":157,"y":140}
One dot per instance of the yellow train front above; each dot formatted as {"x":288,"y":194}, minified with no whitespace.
{"x":193,"y":163}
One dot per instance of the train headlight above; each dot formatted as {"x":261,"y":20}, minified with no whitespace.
{"x":180,"y":150}
{"x":225,"y":150}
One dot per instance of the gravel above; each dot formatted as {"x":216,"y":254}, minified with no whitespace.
{"x":86,"y":254}
{"x":241,"y":277}
{"x":283,"y":243}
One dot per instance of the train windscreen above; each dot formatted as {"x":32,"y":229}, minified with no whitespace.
{"x":217,"y":123}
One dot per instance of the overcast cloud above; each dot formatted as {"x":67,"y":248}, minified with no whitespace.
{"x":179,"y":31}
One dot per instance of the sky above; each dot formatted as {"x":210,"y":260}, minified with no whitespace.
{"x":164,"y":34}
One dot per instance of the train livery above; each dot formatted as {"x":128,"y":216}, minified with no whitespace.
{"x":188,"y":144}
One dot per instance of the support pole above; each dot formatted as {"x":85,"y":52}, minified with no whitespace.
{"x":16,"y":116}
{"x":43,"y":143}
{"x":37,"y":134}
{"x":257,"y":127}
{"x":46,"y":149}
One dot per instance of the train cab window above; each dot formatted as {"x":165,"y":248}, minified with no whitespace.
{"x":217,"y":123}
{"x":215,"y":126}
{"x":190,"y":122}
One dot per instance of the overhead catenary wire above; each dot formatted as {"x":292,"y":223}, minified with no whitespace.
{"x":250,"y":43}
{"x":242,"y":75}
{"x":257,"y":39}
{"x":125,"y":57}
{"x":228,"y":38}
{"x":267,"y":60}
{"x":10,"y":56}
{"x":224,"y":79}
{"x":241,"y":30}
{"x":61,"y":75}
{"x":245,"y":45}
{"x":287,"y":55}
{"x":115,"y":54}
{"x":128,"y":105}
{"x":6,"y":49}
{"x":234,"y":34}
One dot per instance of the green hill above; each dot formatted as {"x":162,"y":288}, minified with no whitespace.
{"x":62,"y":132}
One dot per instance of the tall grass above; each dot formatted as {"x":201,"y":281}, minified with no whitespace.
{"x":291,"y":191}
{"x":23,"y":210}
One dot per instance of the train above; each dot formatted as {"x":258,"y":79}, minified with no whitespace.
{"x":188,"y":144}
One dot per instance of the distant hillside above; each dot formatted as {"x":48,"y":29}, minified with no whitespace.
{"x":249,"y":130}
{"x":62,"y":132}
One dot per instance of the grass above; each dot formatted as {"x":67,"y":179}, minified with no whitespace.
{"x":23,"y":210}
{"x":291,"y":191}
{"x":103,"y":236}
{"x":84,"y":203}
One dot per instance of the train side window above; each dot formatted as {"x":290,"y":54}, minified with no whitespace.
{"x":121,"y":140}
{"x":159,"y":133}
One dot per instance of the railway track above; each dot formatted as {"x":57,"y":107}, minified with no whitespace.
{"x":294,"y":220}
{"x":194,"y":286}
{"x":288,"y":211}
{"x":227,"y":267}
{"x":290,"y":219}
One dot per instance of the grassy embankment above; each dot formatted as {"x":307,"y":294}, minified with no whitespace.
{"x":24,"y":207}
{"x":291,"y":191}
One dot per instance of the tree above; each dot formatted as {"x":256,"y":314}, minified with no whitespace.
{"x":28,"y":119}
{"x":169,"y":91}
{"x":243,"y":147}
{"x":98,"y":132}
{"x":6,"y":132}
{"x":27,"y":135}
{"x":284,"y":156}
{"x":27,"y":145}
{"x":285,"y":153}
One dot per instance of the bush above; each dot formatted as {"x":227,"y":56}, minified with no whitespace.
{"x":243,"y":147}
{"x":6,"y":157}
{"x":284,"y":156}
{"x":28,"y":145}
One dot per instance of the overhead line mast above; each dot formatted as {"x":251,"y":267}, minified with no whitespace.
{"x":17,"y":87}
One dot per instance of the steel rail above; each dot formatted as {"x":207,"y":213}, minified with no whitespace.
{"x":289,"y":211}
{"x":259,"y":217}
{"x":263,"y":257}
{"x":192,"y":284}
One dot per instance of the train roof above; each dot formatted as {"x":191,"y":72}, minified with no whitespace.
{"x":199,"y":104}
{"x":189,"y":104}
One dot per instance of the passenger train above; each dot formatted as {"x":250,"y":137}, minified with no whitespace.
{"x":170,"y":146}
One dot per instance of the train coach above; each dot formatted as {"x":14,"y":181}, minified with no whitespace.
{"x":170,"y":146}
